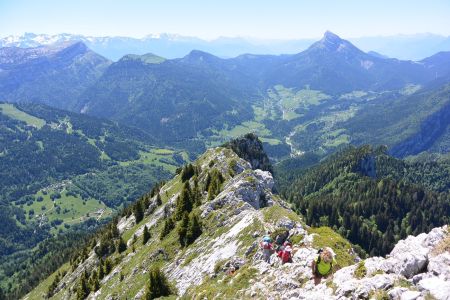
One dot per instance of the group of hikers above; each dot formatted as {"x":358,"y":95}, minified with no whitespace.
{"x":321,"y":266}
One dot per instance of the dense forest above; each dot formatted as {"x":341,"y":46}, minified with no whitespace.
{"x":64,"y":145}
{"x":371,"y":198}
{"x":41,"y":146}
{"x":23,"y":270}
{"x":58,"y":155}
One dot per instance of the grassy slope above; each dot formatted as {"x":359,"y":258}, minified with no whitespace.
{"x":11,"y":111}
{"x":162,"y":157}
{"x":73,"y":209}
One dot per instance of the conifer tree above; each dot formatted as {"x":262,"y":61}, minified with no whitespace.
{"x":95,"y":284}
{"x":194,"y":229}
{"x":158,"y":200}
{"x":187,"y":172}
{"x":146,"y":201}
{"x":184,"y":202}
{"x":145,"y":235}
{"x":113,"y":228}
{"x":196,"y":194}
{"x":182,"y":229}
{"x":158,"y":285}
{"x":101,"y":273}
{"x":121,"y":245}
{"x":207,"y":182}
{"x":168,"y":226}
{"x":138,"y":211}
{"x":214,"y":184}
{"x":83,"y":288}
{"x":108,"y":266}
{"x":212,"y":191}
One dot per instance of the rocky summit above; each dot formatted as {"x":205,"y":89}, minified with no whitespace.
{"x":224,"y":261}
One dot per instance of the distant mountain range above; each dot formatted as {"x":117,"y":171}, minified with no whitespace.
{"x":327,"y":96}
{"x":408,"y":47}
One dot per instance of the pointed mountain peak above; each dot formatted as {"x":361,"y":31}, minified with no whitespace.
{"x":333,"y":43}
{"x":331,"y":37}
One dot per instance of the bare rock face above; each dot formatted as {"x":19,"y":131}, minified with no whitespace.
{"x":411,"y":261}
{"x":437,"y":287}
{"x":361,"y":288}
{"x":248,"y":189}
{"x":89,"y":264}
{"x":126,"y":223}
{"x":250,"y":148}
{"x":440,"y":265}
{"x":410,"y":256}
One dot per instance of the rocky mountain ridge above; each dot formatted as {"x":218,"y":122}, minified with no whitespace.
{"x":13,"y":56}
{"x":54,"y":75}
{"x":225,"y":262}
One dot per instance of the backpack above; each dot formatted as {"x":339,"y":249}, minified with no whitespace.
{"x":286,"y":255}
{"x":318,"y":260}
{"x":266,"y":245}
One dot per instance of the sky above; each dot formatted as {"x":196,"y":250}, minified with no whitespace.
{"x":209,"y":19}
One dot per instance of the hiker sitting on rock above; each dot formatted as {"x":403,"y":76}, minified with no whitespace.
{"x":285,"y":253}
{"x":322,"y":266}
{"x":267,"y":247}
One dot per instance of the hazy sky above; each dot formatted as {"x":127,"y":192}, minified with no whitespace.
{"x":211,"y":18}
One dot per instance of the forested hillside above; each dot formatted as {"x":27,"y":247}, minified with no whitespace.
{"x":63,"y":174}
{"x":176,"y":100}
{"x":409,"y":124}
{"x":370,"y":197}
